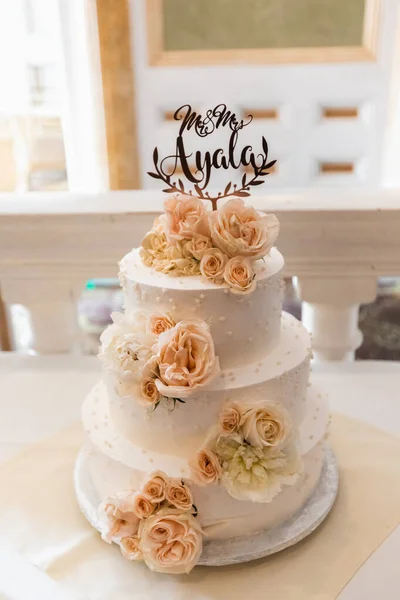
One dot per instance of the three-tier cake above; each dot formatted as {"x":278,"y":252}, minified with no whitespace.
{"x":205,"y":426}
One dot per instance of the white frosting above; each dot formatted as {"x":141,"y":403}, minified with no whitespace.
{"x":244,"y":327}
{"x":281,"y":377}
{"x":220,"y":515}
{"x":107,"y":438}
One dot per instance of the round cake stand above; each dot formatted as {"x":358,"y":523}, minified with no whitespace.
{"x":236,"y":550}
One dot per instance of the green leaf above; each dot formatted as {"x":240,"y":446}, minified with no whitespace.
{"x":180,"y":400}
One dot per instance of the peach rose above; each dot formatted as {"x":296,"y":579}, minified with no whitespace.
{"x":185,"y":359}
{"x":185,"y":216}
{"x":160,"y":322}
{"x":171,"y":541}
{"x":197,"y":246}
{"x":212,"y":265}
{"x":117,"y":516}
{"x":130,"y":548}
{"x":178,"y":494}
{"x":205,"y":468}
{"x":239,"y":275}
{"x":149,"y":392}
{"x":266,"y":426}
{"x":154,"y":487}
{"x":229,"y":419}
{"x":240,"y":230}
{"x":142,"y":506}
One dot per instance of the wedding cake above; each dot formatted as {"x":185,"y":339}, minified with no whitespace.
{"x":205,"y":427}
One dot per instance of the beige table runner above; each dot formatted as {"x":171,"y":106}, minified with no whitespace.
{"x":40,"y":519}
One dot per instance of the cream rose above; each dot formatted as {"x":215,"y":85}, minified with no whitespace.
{"x":212,"y":265}
{"x":229,"y":419}
{"x":177,"y":267}
{"x":149,"y":392}
{"x":155,"y":242}
{"x":198,"y":245}
{"x":178,"y":494}
{"x":171,"y":541}
{"x":153,"y":246}
{"x":185,"y":216}
{"x":117,"y":516}
{"x":130,"y":548}
{"x":239,"y":275}
{"x":159,"y":322}
{"x":142,"y":506}
{"x":266,"y":426}
{"x":205,"y":467}
{"x":185,"y":359}
{"x":154,"y":487}
{"x":240,"y":230}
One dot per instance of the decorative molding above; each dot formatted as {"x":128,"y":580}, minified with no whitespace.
{"x":339,"y":112}
{"x":158,"y":56}
{"x":319,"y":235}
{"x":336,"y":252}
{"x":118,"y":93}
{"x":336,"y":168}
{"x":261,"y":113}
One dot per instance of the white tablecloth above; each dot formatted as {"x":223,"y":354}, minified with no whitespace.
{"x":369,"y":391}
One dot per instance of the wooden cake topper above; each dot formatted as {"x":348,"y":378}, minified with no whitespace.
{"x":198,"y":177}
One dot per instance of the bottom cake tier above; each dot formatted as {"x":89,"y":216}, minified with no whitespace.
{"x":239,"y":549}
{"x":116,"y":464}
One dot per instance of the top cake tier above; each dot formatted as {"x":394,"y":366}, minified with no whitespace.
{"x":244,"y":328}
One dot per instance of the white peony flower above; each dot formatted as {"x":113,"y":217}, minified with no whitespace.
{"x":126,"y":345}
{"x":256,"y":474}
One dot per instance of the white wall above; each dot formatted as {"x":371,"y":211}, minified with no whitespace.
{"x":300,"y":139}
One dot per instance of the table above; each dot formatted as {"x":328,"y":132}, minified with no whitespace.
{"x":369,"y":391}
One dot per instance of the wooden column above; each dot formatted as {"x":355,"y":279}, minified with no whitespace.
{"x":5,"y":340}
{"x":118,"y":92}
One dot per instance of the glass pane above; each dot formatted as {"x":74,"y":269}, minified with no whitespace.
{"x":229,"y":24}
{"x":32,"y":154}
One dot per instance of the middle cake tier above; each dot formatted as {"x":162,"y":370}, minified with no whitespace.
{"x":280,"y":377}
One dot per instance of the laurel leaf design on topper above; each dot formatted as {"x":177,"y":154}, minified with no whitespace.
{"x":198,"y":179}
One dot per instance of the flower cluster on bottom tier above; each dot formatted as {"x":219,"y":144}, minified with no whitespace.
{"x":119,"y":470}
{"x":156,"y":524}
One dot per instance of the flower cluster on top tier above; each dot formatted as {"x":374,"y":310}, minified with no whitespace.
{"x":221,"y":245}
{"x":154,"y":358}
{"x":251,"y":452}
{"x":156,"y":524}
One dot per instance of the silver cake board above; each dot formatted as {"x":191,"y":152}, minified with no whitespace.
{"x":217,"y":553}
